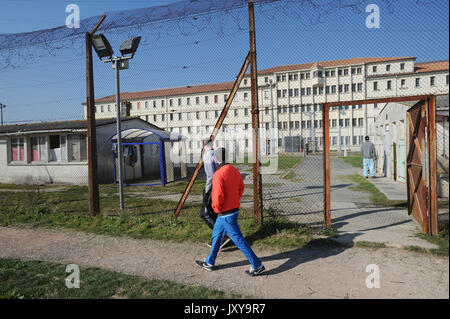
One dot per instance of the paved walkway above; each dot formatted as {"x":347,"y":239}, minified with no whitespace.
{"x":308,"y":272}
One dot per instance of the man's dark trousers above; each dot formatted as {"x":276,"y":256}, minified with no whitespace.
{"x":207,"y":213}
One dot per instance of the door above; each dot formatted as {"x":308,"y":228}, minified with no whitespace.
{"x":421,"y":166}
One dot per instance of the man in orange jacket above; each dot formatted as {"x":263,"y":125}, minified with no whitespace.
{"x":227,"y":190}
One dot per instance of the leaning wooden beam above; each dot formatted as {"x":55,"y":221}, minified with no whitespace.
{"x":214,"y":133}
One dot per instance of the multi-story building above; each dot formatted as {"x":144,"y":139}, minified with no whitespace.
{"x":290,"y":100}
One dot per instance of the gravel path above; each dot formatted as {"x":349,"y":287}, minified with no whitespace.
{"x":296,"y":273}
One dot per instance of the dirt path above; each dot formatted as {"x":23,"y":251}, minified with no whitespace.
{"x":297,"y":273}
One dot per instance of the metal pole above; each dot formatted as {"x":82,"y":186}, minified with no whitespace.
{"x":119,"y":130}
{"x":326,"y":165}
{"x":2,"y":106}
{"x":272,"y":133}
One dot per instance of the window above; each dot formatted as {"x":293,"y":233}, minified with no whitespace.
{"x":374,"y":69}
{"x":402,"y":66}
{"x":76,"y":147}
{"x":333,"y":73}
{"x":346,"y":87}
{"x":417,"y":82}
{"x":446,"y":79}
{"x":340,"y":88}
{"x":389,"y":85}
{"x":302,"y":91}
{"x":353,"y":87}
{"x":432,"y":80}
{"x":216,"y":113}
{"x":206,"y":100}
{"x":308,"y":91}
{"x":55,"y":148}
{"x":245,"y":96}
{"x":37,"y":149}
{"x":402,"y":83}
{"x":360,"y":121}
{"x":347,"y":122}
{"x":246,"y":112}
{"x":354,"y":122}
{"x":388,"y":67}
{"x":197,"y":115}
{"x":171,"y":102}
{"x":296,"y":90}
{"x":345,"y":71}
{"x":17,"y":150}
{"x":216,"y":99}
{"x":179,"y":102}
{"x":333,"y":123}
{"x":266,"y":79}
{"x":188,"y":101}
{"x":162,"y":103}
{"x":359,"y":70}
{"x":333,"y":89}
{"x":197,"y":100}
{"x":307,"y":75}
{"x":180,"y":116}
{"x":225,"y":97}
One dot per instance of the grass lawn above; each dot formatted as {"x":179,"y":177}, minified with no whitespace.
{"x":353,"y":160}
{"x":45,"y":280}
{"x":142,"y":217}
{"x":376,"y":197}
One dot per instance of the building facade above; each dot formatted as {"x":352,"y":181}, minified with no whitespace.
{"x":290,"y":100}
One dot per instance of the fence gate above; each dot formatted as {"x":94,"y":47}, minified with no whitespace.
{"x":421,"y":165}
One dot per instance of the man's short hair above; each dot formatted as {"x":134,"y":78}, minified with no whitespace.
{"x":220,"y":155}
{"x":367,"y":137}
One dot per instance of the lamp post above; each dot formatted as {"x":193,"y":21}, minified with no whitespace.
{"x":2,"y":106}
{"x":104,"y":50}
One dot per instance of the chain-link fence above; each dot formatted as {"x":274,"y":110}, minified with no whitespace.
{"x":181,"y":76}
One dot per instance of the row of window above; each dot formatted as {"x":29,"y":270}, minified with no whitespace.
{"x":403,"y":83}
{"x":51,"y":148}
{"x":317,"y":74}
{"x":281,"y":93}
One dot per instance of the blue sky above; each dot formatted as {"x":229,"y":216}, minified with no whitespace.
{"x":53,"y":87}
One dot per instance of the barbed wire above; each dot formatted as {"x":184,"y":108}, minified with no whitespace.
{"x":183,"y":18}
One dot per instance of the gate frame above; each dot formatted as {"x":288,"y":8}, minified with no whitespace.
{"x":430,"y":102}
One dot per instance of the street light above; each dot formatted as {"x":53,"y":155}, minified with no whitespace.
{"x":2,"y":106}
{"x":104,"y":50}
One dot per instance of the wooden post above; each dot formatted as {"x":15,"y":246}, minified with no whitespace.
{"x":433,"y":190}
{"x":94,"y":201}
{"x":326,"y":165}
{"x":257,"y":183}
{"x":214,"y":134}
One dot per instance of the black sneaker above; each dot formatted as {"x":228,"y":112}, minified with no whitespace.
{"x":204,"y":265}
{"x":255,"y":272}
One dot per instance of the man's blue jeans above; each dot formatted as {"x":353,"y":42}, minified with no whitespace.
{"x":228,"y":224}
{"x":368,"y":164}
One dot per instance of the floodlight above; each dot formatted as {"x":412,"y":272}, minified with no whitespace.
{"x":102,"y":46}
{"x":129,"y":46}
